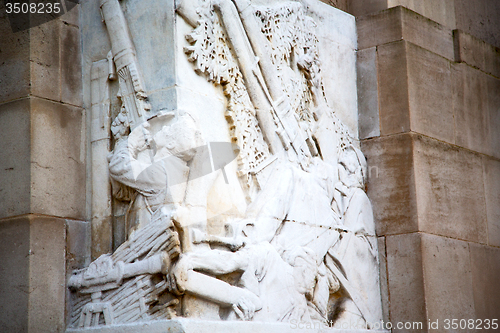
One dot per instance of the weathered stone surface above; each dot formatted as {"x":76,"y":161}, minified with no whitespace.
{"x":485,"y":262}
{"x":45,"y":60}
{"x":14,"y":158}
{"x":450,"y":192}
{"x":102,"y":236}
{"x":391,"y":183}
{"x":447,"y":278}
{"x":429,"y":89}
{"x":442,"y":11}
{"x":77,"y":244}
{"x":14,"y":61}
{"x":72,"y":16}
{"x":384,"y":287}
{"x":393,"y":88}
{"x":477,"y":53}
{"x":493,"y":111}
{"x":71,"y":65}
{"x":367,"y":93}
{"x":470,"y":103}
{"x":57,"y":159}
{"x":47,"y":275}
{"x":492,"y":196}
{"x":380,"y":28}
{"x":14,"y":274}
{"x":406,"y":279}
{"x":359,"y":8}
{"x":401,"y":23}
{"x":479,"y":18}
{"x":33,"y":274}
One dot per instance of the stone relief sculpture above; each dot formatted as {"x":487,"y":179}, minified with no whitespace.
{"x":305,"y":248}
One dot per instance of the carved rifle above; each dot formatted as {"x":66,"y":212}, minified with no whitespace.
{"x":132,"y":89}
{"x":261,"y":80}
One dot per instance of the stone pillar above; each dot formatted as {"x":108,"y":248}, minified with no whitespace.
{"x":42,"y":172}
{"x":429,"y":113}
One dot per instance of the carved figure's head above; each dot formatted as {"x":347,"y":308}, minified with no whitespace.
{"x":180,"y":138}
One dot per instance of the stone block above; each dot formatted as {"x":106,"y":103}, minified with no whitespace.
{"x":393,"y":88}
{"x":478,"y":18}
{"x":101,"y":236}
{"x":406,"y":279}
{"x":47,"y":275}
{"x":428,"y":34}
{"x":45,"y":60}
{"x":32,"y":252}
{"x":450,"y":192}
{"x":447,"y":278}
{"x":45,"y":81}
{"x":384,"y":287}
{"x":379,"y":28}
{"x":44,"y":43}
{"x":430,"y":93}
{"x":365,"y":7}
{"x":71,"y":65}
{"x":57,"y":160}
{"x":470,"y":103}
{"x":14,"y":274}
{"x":72,"y":15}
{"x":493,"y":110}
{"x":368,"y":113}
{"x":77,"y":244}
{"x":14,"y":61}
{"x":492,"y":196}
{"x":391,"y":183}
{"x":401,"y":23}
{"x":477,"y":53}
{"x":442,"y":11}
{"x":14,"y":158}
{"x":485,"y":262}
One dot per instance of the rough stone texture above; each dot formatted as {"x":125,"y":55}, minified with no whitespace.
{"x":391,"y":183}
{"x":14,"y":158}
{"x":14,"y":274}
{"x":406,"y":279}
{"x":477,"y":53}
{"x":450,"y":192}
{"x":447,"y":278}
{"x":429,"y":89}
{"x":45,"y":60}
{"x":14,"y":61}
{"x":359,"y":8}
{"x":393,"y":88}
{"x":477,"y":109}
{"x":479,"y":18}
{"x":492,"y":195}
{"x":72,"y":16}
{"x":57,"y":160}
{"x":71,"y":65}
{"x":384,"y":287}
{"x":485,"y":262}
{"x":33,"y":274}
{"x":77,"y":244}
{"x":368,"y":93}
{"x":401,"y":23}
{"x":47,"y":274}
{"x":442,"y":11}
